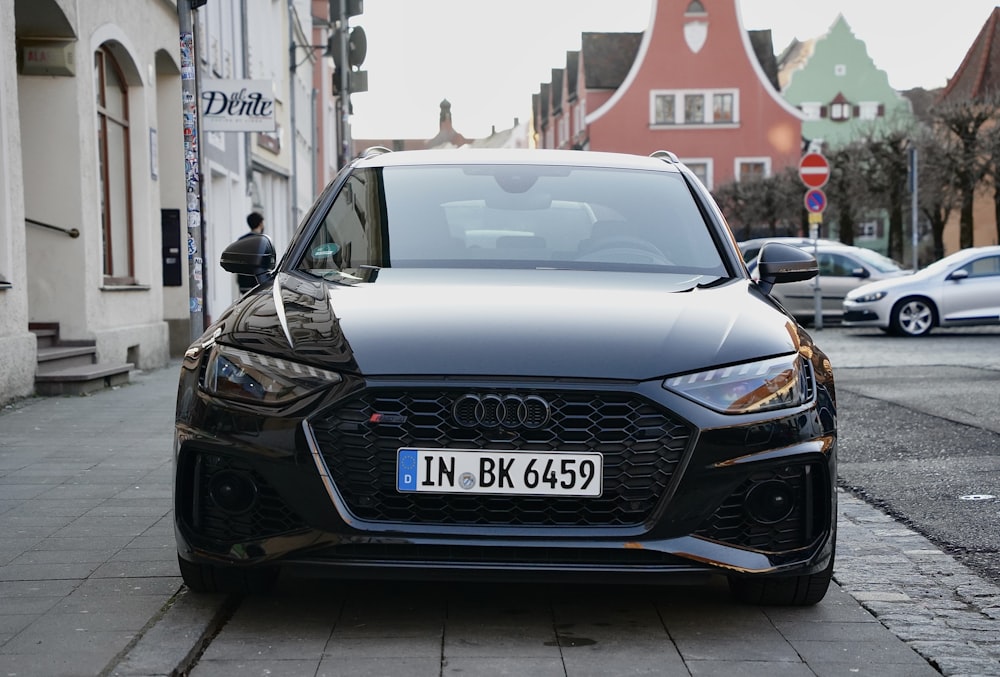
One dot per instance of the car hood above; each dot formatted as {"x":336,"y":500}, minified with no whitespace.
{"x":922,"y":279}
{"x":520,"y":323}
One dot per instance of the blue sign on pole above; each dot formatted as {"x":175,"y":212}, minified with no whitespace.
{"x":815,"y":201}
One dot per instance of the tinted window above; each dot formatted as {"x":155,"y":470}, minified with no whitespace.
{"x":984,"y":267}
{"x":517,"y":216}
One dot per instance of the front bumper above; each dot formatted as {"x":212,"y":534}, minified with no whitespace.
{"x":861,"y":317}
{"x":312,"y":486}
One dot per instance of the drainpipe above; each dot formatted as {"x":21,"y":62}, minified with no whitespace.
{"x":291,"y":98}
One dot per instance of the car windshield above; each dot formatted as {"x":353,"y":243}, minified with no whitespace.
{"x":883,"y":264}
{"x":513,"y":216}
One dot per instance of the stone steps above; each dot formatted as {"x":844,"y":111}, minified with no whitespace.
{"x":71,"y":367}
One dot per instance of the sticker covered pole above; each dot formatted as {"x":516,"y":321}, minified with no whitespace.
{"x":192,"y":165}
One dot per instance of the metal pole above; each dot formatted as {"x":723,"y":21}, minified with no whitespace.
{"x":192,"y":167}
{"x":913,"y":196}
{"x":817,"y":292}
{"x":345,"y":85}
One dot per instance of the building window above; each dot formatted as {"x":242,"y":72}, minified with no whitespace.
{"x":722,"y":107}
{"x":114,"y":172}
{"x":694,"y":109}
{"x":840,"y":112}
{"x":702,"y":168}
{"x":866,"y":230}
{"x":811,"y":111}
{"x":665,"y":112}
{"x":750,"y":169}
{"x":869,"y":110}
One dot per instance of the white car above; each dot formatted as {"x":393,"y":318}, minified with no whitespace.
{"x":959,"y":290}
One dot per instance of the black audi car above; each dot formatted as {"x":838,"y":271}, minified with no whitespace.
{"x":509,"y":364}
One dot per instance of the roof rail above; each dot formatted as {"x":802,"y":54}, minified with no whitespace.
{"x":374,"y":150}
{"x":665,"y":155}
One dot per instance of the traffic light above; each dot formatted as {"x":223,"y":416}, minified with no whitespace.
{"x":354,"y":8}
{"x":354,"y":51}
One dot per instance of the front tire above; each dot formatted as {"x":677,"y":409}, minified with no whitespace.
{"x":784,"y":591}
{"x":912,"y":317}
{"x":209,"y":578}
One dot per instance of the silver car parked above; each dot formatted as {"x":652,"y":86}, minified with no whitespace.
{"x":962,"y":289}
{"x":842,"y":268}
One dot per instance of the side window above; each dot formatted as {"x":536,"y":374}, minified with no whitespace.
{"x":350,"y":236}
{"x":984,"y":267}
{"x":835,"y":265}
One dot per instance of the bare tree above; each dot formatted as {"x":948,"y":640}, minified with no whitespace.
{"x":772,"y":204}
{"x":846,"y":190}
{"x":885,"y":174}
{"x":963,"y":128}
{"x":937,"y":188}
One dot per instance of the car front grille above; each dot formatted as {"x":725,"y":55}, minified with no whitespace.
{"x":641,"y":445}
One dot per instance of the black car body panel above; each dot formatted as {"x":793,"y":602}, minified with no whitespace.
{"x":465,"y":322}
{"x":312,"y":478}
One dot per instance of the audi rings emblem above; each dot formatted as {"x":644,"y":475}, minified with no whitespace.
{"x":501,"y":411}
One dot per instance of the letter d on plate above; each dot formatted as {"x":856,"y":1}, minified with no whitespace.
{"x":406,"y":470}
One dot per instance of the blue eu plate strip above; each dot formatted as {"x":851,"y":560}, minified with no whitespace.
{"x":406,"y":470}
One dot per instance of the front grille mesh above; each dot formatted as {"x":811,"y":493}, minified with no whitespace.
{"x":731,"y":524}
{"x":268,"y":514}
{"x":641,"y":444}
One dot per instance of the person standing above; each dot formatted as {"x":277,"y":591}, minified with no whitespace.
{"x":255,"y":221}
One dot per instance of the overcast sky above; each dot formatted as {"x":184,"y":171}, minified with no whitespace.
{"x":488,"y":57}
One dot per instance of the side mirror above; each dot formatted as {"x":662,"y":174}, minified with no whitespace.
{"x":959,"y":274}
{"x":778,"y":263}
{"x":860,"y":272}
{"x":250,"y":255}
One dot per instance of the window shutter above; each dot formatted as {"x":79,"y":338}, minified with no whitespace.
{"x":855,"y":111}
{"x":881,"y":110}
{"x":822,"y":111}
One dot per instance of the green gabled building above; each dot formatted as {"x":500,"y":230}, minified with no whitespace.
{"x":839,"y":89}
{"x":844,"y":97}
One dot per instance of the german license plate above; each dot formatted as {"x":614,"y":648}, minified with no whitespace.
{"x":460,"y":471}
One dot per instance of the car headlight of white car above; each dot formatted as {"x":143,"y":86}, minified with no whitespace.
{"x":868,"y":298}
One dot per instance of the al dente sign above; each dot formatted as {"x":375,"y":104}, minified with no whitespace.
{"x":237,"y":106}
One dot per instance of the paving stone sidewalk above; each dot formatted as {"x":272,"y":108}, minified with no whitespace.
{"x":88,"y":579}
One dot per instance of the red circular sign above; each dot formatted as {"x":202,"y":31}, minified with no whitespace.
{"x":814,"y":170}
{"x":815,"y":201}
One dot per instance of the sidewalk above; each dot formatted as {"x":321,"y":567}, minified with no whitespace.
{"x":87,"y":552}
{"x":89,"y":584}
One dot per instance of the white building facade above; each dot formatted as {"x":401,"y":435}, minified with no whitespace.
{"x":93,"y":206}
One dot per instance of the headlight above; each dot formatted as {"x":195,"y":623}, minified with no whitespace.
{"x":236,"y":374}
{"x":870,"y":298}
{"x":776,"y":383}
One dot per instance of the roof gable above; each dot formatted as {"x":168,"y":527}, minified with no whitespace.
{"x":978,"y":76}
{"x":607,"y":58}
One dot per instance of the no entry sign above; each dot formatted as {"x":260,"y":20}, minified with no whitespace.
{"x":814,"y":170}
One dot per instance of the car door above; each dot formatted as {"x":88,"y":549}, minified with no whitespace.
{"x":975,"y":297}
{"x":835,"y":280}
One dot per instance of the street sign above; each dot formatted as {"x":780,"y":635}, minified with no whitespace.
{"x":814,"y":170}
{"x":815,"y":201}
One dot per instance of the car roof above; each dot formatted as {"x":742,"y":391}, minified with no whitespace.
{"x":517,"y":156}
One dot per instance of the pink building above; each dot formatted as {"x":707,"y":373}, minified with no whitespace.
{"x":692,"y":83}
